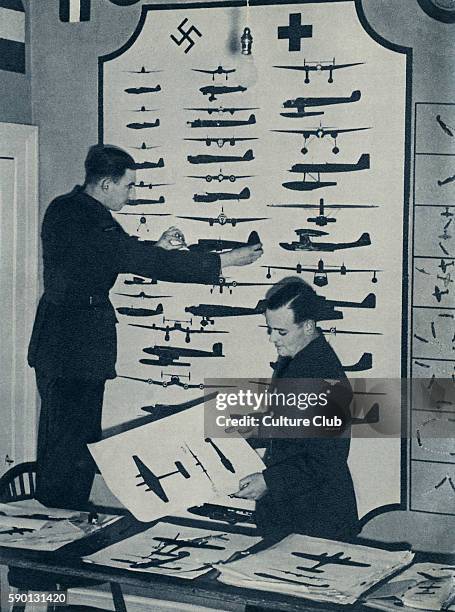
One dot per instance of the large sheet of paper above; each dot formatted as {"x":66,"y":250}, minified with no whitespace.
{"x":29,"y":524}
{"x":173,"y":550}
{"x":169,"y":465}
{"x":423,"y":586}
{"x":322,"y":570}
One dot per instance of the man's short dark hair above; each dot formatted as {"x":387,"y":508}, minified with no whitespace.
{"x":299,"y":297}
{"x":106,"y":161}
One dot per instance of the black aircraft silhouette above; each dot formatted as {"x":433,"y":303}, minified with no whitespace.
{"x":446,"y":212}
{"x":140,"y":312}
{"x":144,"y":125}
{"x":220,"y":141}
{"x":443,"y":265}
{"x":362,"y":164}
{"x":437,"y":293}
{"x":223,"y":283}
{"x":148,"y":165}
{"x":322,"y":219}
{"x":208,"y":244}
{"x":143,"y":296}
{"x":320,"y":132}
{"x":169,"y":355}
{"x":210,"y":159}
{"x":204,"y":123}
{"x":221,"y":195}
{"x":16,"y":531}
{"x":208,"y":312}
{"x":212,"y":91}
{"x":178,"y":326}
{"x":445,"y":128}
{"x":143,"y":70}
{"x":322,"y":66}
{"x":142,"y":90}
{"x":145,"y":147}
{"x":224,"y":109}
{"x":176,"y":380}
{"x":221,"y":177}
{"x":142,"y":201}
{"x":144,"y":109}
{"x":306,"y":244}
{"x":301,"y":103}
{"x":320,"y":272}
{"x":326,"y":559}
{"x":223,"y":219}
{"x":152,"y":481}
{"x":305,"y":185}
{"x":217,"y":70}
{"x":144,"y":185}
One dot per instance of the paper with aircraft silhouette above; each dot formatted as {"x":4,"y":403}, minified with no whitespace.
{"x":169,"y":465}
{"x":313,"y":568}
{"x":173,"y":550}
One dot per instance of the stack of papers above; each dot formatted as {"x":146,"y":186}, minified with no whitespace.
{"x":313,"y":568}
{"x":423,"y":586}
{"x":29,"y":524}
{"x":172,"y":550}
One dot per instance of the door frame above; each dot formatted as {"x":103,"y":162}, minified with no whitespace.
{"x":20,"y":142}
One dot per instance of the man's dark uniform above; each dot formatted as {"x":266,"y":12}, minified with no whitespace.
{"x":74,"y":343}
{"x":309,"y":486}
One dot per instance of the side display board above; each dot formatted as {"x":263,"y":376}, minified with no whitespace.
{"x":433,"y":337}
{"x":303,"y":144}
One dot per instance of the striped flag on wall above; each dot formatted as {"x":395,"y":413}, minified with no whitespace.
{"x":74,"y":11}
{"x":12,"y":36}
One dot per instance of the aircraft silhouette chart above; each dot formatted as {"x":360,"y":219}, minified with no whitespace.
{"x":223,"y":283}
{"x":169,"y":355}
{"x":218,"y":70}
{"x":210,"y":159}
{"x":320,"y":132}
{"x":142,"y":90}
{"x":320,"y":278}
{"x":152,"y":481}
{"x":318,"y":67}
{"x":306,"y":244}
{"x":143,"y":201}
{"x":301,"y":103}
{"x":147,"y":165}
{"x":178,"y":326}
{"x":223,"y":219}
{"x":223,"y":109}
{"x":208,"y":312}
{"x":204,"y":123}
{"x":326,"y":559}
{"x":438,"y":293}
{"x":221,"y":195}
{"x":137,"y":280}
{"x":140,"y":312}
{"x":144,"y":125}
{"x":212,"y":91}
{"x":220,"y":177}
{"x":220,"y":141}
{"x":322,"y":219}
{"x":208,"y":244}
{"x":177,"y":381}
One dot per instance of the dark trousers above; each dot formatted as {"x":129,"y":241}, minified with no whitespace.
{"x":70,"y":418}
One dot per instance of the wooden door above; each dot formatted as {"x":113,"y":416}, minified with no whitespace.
{"x":19,"y":290}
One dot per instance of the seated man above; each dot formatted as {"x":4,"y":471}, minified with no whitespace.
{"x":306,"y":486}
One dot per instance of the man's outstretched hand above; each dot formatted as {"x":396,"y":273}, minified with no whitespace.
{"x":242,"y":256}
{"x":171,"y":239}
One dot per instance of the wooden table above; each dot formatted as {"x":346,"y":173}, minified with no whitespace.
{"x":204,"y":591}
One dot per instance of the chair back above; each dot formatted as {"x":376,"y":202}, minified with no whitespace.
{"x":18,"y":483}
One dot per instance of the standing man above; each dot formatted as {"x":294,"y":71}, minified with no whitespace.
{"x":73,"y":347}
{"x":306,"y":486}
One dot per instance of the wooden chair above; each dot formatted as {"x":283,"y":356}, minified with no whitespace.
{"x":18,"y":484}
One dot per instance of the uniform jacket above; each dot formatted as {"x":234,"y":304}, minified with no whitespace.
{"x":84,"y":249}
{"x":310,"y":489}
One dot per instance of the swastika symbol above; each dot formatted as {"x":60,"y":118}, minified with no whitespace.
{"x":186,"y":35}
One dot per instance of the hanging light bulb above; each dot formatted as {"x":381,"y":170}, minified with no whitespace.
{"x":247,"y":67}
